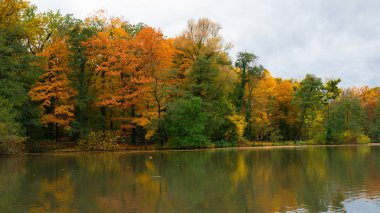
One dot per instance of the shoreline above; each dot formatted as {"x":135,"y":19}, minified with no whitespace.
{"x":156,"y":150}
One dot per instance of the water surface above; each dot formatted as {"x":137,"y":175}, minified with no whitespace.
{"x":313,"y":179}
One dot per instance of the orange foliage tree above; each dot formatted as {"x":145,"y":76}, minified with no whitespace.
{"x":53,"y":90}
{"x":132,"y":75}
{"x":156,"y":68}
{"x":112,"y":59}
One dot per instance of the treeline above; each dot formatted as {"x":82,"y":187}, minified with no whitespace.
{"x":68,"y":79}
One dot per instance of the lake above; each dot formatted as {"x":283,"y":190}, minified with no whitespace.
{"x":313,"y":179}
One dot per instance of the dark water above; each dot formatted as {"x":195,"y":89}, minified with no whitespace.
{"x":312,"y":179}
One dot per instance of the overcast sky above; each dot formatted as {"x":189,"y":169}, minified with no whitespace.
{"x":329,"y":38}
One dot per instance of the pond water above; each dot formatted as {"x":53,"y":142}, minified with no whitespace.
{"x":312,"y":179}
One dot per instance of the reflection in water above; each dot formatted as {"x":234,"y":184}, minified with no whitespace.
{"x":232,"y":180}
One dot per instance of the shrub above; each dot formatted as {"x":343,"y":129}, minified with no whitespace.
{"x":11,"y":141}
{"x":236,"y":127}
{"x":11,"y":144}
{"x":99,"y":141}
{"x":354,"y":138}
{"x":363,"y":139}
{"x":185,"y":124}
{"x":221,"y":144}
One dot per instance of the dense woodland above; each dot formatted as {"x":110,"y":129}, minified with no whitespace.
{"x":103,"y":81}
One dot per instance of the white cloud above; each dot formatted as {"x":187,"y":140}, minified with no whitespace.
{"x":329,"y":38}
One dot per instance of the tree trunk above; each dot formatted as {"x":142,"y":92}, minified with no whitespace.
{"x":301,"y":123}
{"x":248,"y":130}
{"x":56,"y":133}
{"x":133,"y":136}
{"x":111,"y":121}
{"x":103,"y":114}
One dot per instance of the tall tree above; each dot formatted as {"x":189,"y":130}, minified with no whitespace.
{"x":156,"y":63}
{"x":54,"y":91}
{"x":308,"y":97}
{"x":17,"y":70}
{"x":111,"y":57}
{"x":245,"y":62}
{"x":264,"y":108}
{"x":201,"y":38}
{"x":76,"y":37}
{"x":331,"y":92}
{"x":249,"y":75}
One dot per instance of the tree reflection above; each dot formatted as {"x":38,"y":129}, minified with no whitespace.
{"x":253,"y":180}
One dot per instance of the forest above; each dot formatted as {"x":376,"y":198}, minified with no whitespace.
{"x":102,"y":82}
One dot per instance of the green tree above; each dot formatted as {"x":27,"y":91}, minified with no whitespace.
{"x":17,"y":72}
{"x":185,"y":123}
{"x":80,"y":78}
{"x":245,"y":62}
{"x":209,"y":81}
{"x":347,"y":119}
{"x":250,"y":73}
{"x":308,"y":97}
{"x":331,"y":92}
{"x":376,"y":128}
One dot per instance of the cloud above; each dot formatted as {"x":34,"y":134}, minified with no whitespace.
{"x":329,"y":38}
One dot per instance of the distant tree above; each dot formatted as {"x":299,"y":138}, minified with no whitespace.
{"x":376,"y":127}
{"x":286,"y":114}
{"x":368,"y":98}
{"x":308,"y":98}
{"x":331,"y":91}
{"x":201,"y":38}
{"x":249,"y":75}
{"x":347,"y":119}
{"x":245,"y":62}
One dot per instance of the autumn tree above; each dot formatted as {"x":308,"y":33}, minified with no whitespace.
{"x":11,"y":12}
{"x":201,"y":38}
{"x":43,"y":27}
{"x":368,"y":98}
{"x":53,"y":91}
{"x":156,"y":65}
{"x":264,"y":108}
{"x":286,"y":114}
{"x":112,"y":61}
